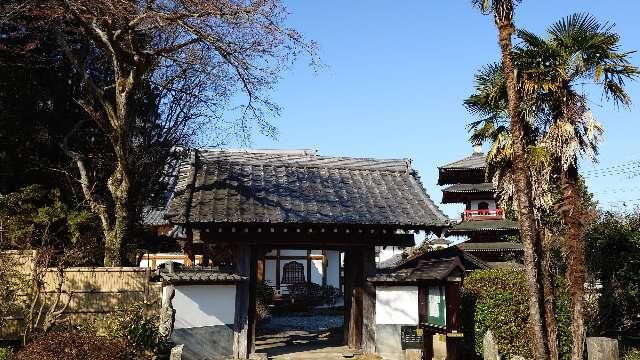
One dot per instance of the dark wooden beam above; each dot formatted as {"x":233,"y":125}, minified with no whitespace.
{"x":454,"y":336}
{"x":308,"y":241}
{"x":324,"y":267}
{"x":368,"y":301}
{"x":354,"y":277}
{"x":241,"y":339}
{"x":308,"y":267}
{"x":278,"y":269}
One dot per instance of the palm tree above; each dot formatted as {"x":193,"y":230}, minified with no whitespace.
{"x":502,"y":11}
{"x":578,"y":49}
{"x":489,"y":102}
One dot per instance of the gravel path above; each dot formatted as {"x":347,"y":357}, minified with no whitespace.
{"x":310,"y":323}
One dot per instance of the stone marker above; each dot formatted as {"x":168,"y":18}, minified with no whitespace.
{"x":413,"y":354}
{"x":489,"y":347}
{"x":176,"y":352}
{"x":602,"y":348}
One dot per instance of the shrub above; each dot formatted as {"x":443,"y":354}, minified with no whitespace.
{"x":304,"y":296}
{"x":330,"y":295}
{"x":6,"y":353}
{"x":497,"y":300}
{"x":74,"y":345}
{"x":632,"y":354}
{"x":264,"y":298}
{"x":139,"y":330}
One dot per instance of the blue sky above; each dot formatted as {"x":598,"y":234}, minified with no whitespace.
{"x":397,"y":73}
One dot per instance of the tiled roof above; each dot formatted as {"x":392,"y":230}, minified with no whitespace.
{"x":390,"y":262}
{"x":225,"y":186}
{"x":470,"y":188}
{"x":490,"y":246}
{"x":468,"y":227}
{"x":473,"y":161}
{"x":153,"y":216}
{"x":440,"y":241}
{"x":431,"y":269}
{"x":469,"y":261}
{"x":506,"y":265}
{"x":200,"y":276}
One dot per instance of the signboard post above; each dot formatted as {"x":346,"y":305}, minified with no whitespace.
{"x":411,"y":337}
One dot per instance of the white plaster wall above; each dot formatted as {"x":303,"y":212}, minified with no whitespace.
{"x":293,"y":252}
{"x":397,"y":305}
{"x":146,"y":262}
{"x":270,"y":271}
{"x":204,"y":305}
{"x":386,"y":252}
{"x":316,"y":271}
{"x":333,"y":268}
{"x":474,"y":204}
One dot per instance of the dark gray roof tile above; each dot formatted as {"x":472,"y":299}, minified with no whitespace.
{"x":200,"y":276}
{"x":473,"y":161}
{"x":470,"y":188}
{"x":300,"y":187}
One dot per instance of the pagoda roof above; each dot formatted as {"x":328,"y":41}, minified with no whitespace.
{"x":460,"y":193}
{"x":473,"y":161}
{"x":470,"y":227}
{"x":490,"y":246}
{"x":470,"y":188}
{"x":467,"y":170}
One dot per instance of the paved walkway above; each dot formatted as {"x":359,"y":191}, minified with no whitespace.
{"x":309,"y":336}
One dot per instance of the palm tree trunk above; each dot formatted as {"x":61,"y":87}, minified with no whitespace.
{"x":549,"y":296}
{"x":573,"y":217}
{"x":522,"y":182}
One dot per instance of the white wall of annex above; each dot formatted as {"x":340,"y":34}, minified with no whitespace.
{"x":204,"y":305}
{"x":397,"y":305}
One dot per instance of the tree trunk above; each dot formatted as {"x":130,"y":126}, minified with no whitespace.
{"x":119,"y":182}
{"x":549,"y":296}
{"x":573,"y":217}
{"x":117,"y":236}
{"x":522,"y":182}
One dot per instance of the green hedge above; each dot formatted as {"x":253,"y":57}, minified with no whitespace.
{"x":497,"y":300}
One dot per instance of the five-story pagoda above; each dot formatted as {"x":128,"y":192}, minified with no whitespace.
{"x":482,"y":220}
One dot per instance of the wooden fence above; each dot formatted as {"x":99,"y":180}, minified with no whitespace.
{"x":92,"y":293}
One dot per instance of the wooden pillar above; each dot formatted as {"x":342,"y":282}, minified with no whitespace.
{"x":309,"y":267}
{"x":253,"y":282}
{"x":346,"y":281}
{"x":278,"y":269}
{"x":242,"y":259}
{"x":368,"y":301}
{"x":359,"y":264}
{"x":324,"y":267}
{"x":353,"y":290}
{"x":427,"y":347}
{"x":454,"y":336}
{"x":260,"y":270}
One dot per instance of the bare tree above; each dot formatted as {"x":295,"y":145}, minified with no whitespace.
{"x":195,"y":58}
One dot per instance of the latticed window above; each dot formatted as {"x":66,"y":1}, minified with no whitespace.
{"x":292,"y":273}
